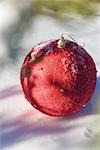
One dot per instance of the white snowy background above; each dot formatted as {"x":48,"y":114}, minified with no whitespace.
{"x":21,"y":126}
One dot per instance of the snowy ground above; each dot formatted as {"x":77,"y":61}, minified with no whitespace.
{"x":23,"y":127}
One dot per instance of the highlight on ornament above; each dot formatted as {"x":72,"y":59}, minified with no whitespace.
{"x":58,"y":77}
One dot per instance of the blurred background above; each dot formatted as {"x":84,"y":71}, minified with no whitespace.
{"x":24,"y":23}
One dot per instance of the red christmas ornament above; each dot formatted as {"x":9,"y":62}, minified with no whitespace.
{"x":58,"y":77}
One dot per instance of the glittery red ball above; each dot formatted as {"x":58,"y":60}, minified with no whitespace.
{"x":58,"y":81}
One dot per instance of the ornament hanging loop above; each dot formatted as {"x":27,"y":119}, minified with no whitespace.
{"x":62,"y":44}
{"x":71,"y":36}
